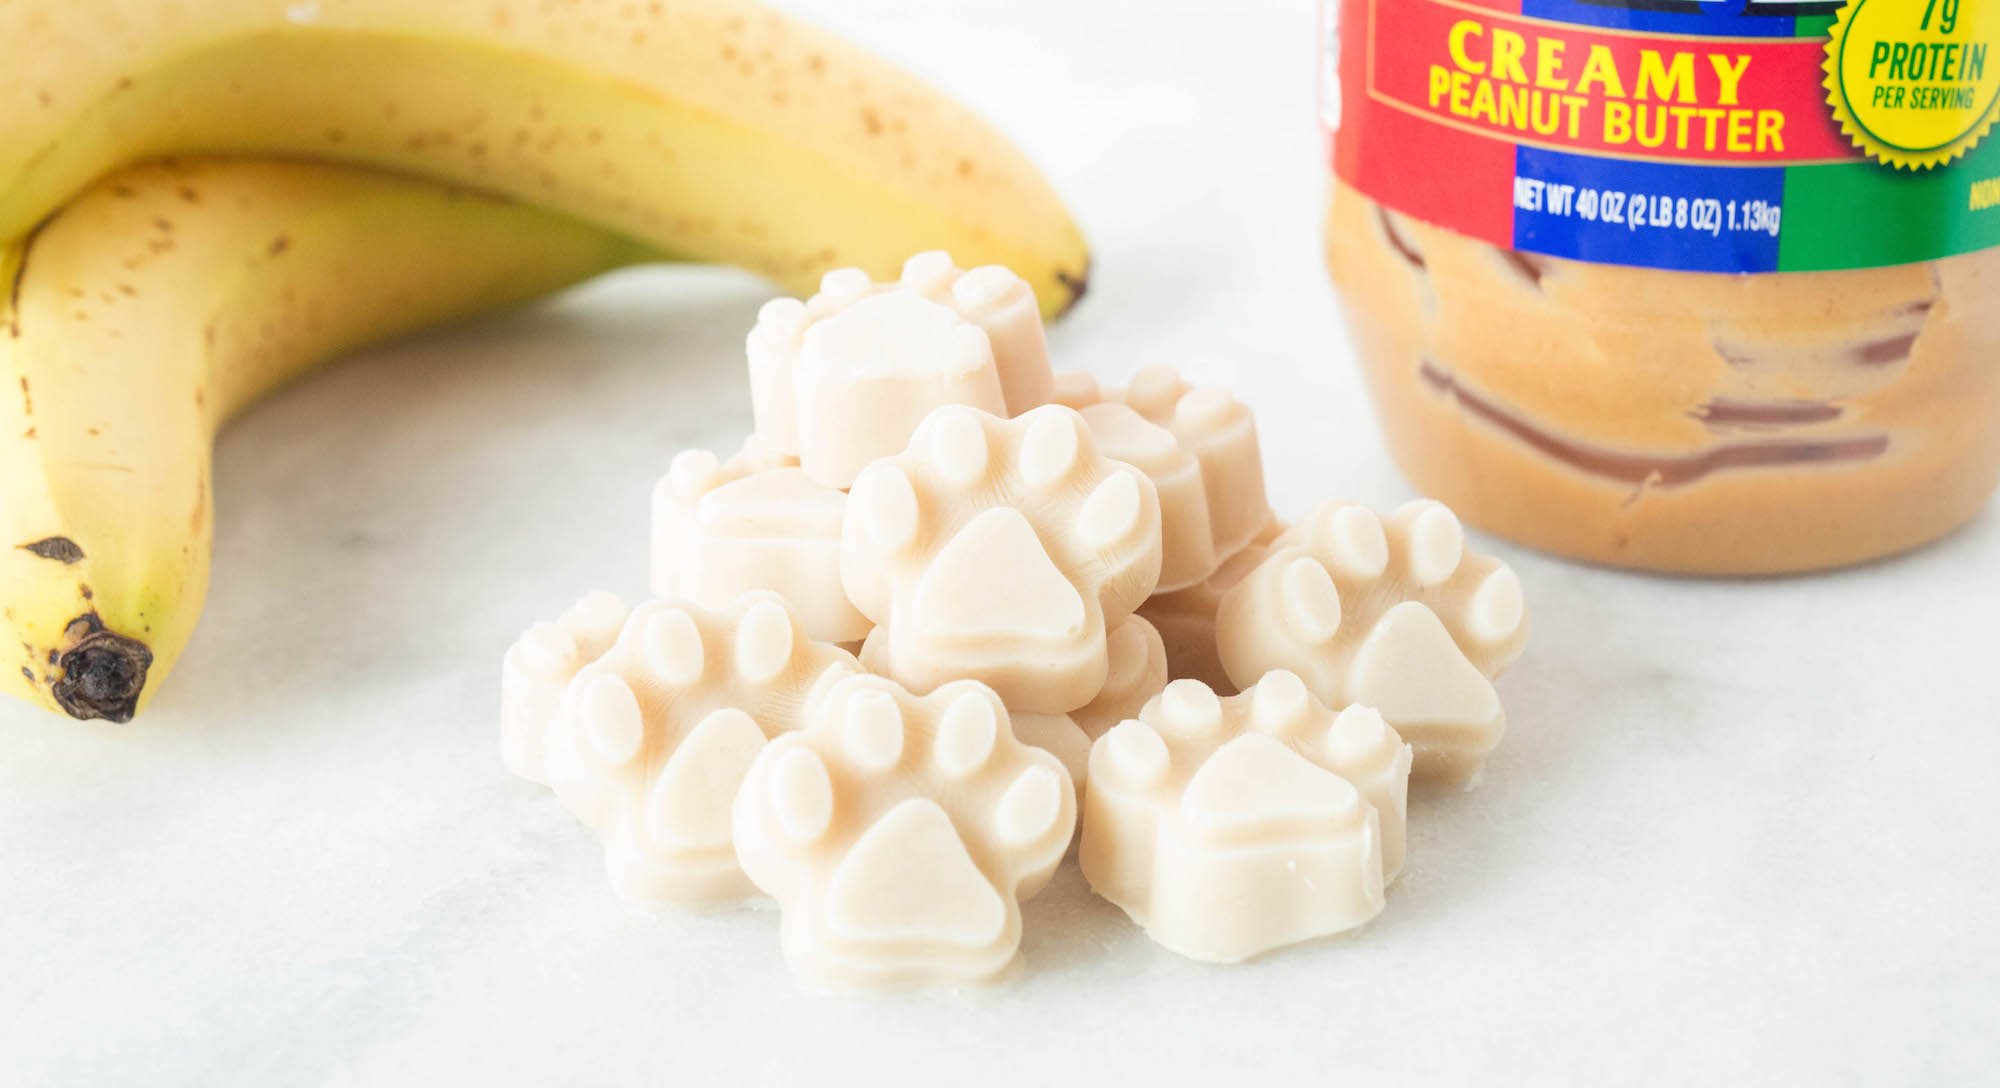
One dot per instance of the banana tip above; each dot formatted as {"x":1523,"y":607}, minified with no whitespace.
{"x":103,"y":672}
{"x":1074,"y":285}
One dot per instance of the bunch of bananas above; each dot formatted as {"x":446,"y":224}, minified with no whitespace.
{"x":198,"y":201}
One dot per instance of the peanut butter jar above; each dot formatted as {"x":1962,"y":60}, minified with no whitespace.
{"x":1683,"y":287}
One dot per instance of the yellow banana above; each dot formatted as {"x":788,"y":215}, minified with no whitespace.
{"x":141,"y":316}
{"x":716,"y":129}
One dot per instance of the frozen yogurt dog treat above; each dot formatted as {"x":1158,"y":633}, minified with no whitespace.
{"x":539,"y":666}
{"x":653,"y":738}
{"x":1185,"y":618}
{"x":1000,"y":551}
{"x":1392,"y":613}
{"x":1230,"y":827}
{"x":1187,"y":531}
{"x":1137,"y":672}
{"x":991,"y":297}
{"x":899,"y":834}
{"x":844,"y":377}
{"x":1199,"y":447}
{"x":723,"y":529}
{"x":870,"y":372}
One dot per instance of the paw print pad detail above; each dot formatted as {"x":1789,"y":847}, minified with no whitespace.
{"x":723,"y":529}
{"x":652,"y":739}
{"x":1228,"y":827}
{"x":844,"y":377}
{"x":1058,"y":734}
{"x":1392,"y":613}
{"x":1199,"y":447}
{"x":899,"y":834}
{"x":1000,"y":551}
{"x":539,"y":666}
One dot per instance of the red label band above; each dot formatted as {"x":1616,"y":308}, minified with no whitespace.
{"x":1627,"y":94}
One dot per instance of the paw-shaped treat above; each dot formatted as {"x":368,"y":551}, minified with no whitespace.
{"x":1185,"y":618}
{"x":1392,"y":613}
{"x":539,"y":666}
{"x":1000,"y":302}
{"x":1000,"y":551}
{"x":723,"y":529}
{"x":1199,"y":446}
{"x":899,"y":834}
{"x":1229,"y":827}
{"x":652,"y":739}
{"x":844,"y":377}
{"x":1137,"y":671}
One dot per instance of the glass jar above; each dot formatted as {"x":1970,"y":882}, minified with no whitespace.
{"x":1713,"y":355}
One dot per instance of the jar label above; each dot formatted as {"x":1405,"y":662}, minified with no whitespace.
{"x":1695,"y":135}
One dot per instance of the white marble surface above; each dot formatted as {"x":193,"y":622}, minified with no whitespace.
{"x":1740,"y":832}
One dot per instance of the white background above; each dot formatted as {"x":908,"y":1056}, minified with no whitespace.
{"x":1739,"y":832}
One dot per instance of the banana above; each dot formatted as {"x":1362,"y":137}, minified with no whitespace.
{"x":715,"y":129}
{"x":145,"y":313}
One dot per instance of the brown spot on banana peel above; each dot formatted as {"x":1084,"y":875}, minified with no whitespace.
{"x":59,"y":548}
{"x":103,"y":672}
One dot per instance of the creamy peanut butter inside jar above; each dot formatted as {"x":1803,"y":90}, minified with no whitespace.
{"x":1686,"y":286}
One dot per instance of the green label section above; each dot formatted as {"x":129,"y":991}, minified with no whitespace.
{"x":1848,"y":215}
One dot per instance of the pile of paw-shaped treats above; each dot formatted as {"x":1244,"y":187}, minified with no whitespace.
{"x":932,"y":610}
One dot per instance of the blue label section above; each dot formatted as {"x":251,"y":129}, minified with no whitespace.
{"x":1716,"y":18}
{"x":1655,"y":215}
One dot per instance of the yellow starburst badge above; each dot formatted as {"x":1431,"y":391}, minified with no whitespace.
{"x":1915,"y":83}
